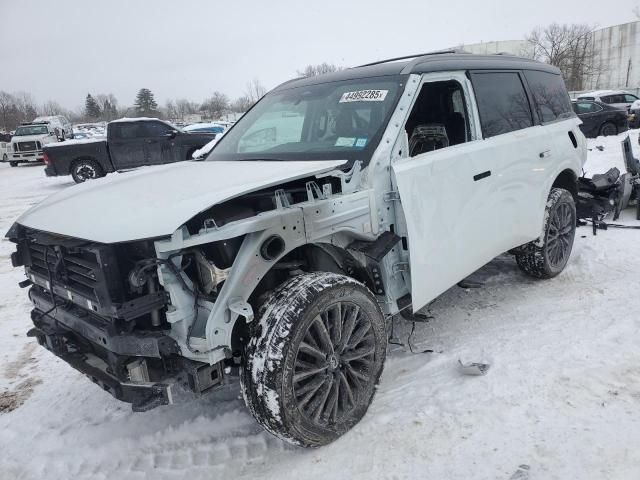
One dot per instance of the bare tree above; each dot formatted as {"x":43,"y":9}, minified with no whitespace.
{"x":216,"y":105}
{"x":185,"y":107}
{"x":241,"y":104}
{"x":52,"y":108}
{"x":320,"y":69}
{"x":568,"y":47}
{"x":255,"y":90}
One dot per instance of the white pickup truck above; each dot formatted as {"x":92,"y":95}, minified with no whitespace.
{"x":27,"y":142}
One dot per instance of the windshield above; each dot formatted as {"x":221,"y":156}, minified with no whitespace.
{"x":31,"y":130}
{"x":336,"y":120}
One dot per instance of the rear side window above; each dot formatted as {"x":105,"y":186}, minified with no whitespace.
{"x":582,"y":108}
{"x":126,"y":130}
{"x":502,"y":102}
{"x":549,"y":95}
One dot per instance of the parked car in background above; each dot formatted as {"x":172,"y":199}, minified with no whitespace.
{"x":599,"y":118}
{"x":615,"y":98}
{"x":129,"y":143}
{"x":28,"y":142}
{"x":205,"y":128}
{"x":5,"y":146}
{"x":60,"y":125}
{"x":336,"y":203}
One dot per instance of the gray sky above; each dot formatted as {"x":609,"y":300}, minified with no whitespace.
{"x":61,"y":50}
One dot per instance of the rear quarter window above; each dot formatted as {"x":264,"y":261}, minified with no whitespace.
{"x":502,"y":102}
{"x":549,"y":95}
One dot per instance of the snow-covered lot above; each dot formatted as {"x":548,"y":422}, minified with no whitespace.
{"x":562,"y":395}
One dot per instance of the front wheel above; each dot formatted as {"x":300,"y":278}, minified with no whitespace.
{"x":83,"y":170}
{"x":312,"y":366}
{"x":13,"y":164}
{"x":547,"y":256}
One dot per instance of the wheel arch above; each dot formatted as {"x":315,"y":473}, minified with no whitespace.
{"x":73,"y":162}
{"x":315,"y":257}
{"x":568,"y":180}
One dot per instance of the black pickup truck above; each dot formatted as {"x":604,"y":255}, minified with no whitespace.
{"x":129,"y":143}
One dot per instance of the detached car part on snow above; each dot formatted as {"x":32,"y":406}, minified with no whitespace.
{"x":609,"y":192}
{"x":335,"y":203}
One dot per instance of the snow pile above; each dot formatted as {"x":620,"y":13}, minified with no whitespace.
{"x":562,"y":395}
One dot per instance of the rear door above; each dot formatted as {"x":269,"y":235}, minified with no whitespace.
{"x":127,"y":144}
{"x":160,"y":143}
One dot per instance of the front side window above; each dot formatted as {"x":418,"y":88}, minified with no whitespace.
{"x":438,"y":119}
{"x":157,"y":129}
{"x":335,"y":120}
{"x":628,"y":98}
{"x":582,"y":108}
{"x":549,"y":95}
{"x":502,"y":102}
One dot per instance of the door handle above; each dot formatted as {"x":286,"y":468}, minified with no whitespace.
{"x":482,"y":175}
{"x":545,"y":154}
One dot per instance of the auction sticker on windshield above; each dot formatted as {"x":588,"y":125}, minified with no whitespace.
{"x":364,"y":96}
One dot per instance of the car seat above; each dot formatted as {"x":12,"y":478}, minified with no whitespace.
{"x":428,"y":137}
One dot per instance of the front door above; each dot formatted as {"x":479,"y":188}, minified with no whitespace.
{"x":160,"y":141}
{"x":455,"y":187}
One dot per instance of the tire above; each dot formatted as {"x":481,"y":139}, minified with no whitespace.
{"x":83,"y":170}
{"x":296,"y":379}
{"x":608,"y":129}
{"x":13,"y":164}
{"x":547,"y":256}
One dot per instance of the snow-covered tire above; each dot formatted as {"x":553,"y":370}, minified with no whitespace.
{"x":547,"y":256}
{"x":86,"y":169}
{"x":287,"y":370}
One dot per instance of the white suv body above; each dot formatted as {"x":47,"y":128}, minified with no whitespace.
{"x":335,"y":203}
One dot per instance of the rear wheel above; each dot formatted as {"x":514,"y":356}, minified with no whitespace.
{"x":83,"y":170}
{"x":547,"y":256}
{"x":311,"y":369}
{"x":608,"y":129}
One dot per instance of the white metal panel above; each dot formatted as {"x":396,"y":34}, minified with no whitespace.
{"x":153,"y":202}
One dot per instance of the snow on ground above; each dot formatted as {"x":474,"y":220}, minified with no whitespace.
{"x":562,"y":395}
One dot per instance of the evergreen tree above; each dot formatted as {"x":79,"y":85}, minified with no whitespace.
{"x":145,"y":104}
{"x":91,"y":107}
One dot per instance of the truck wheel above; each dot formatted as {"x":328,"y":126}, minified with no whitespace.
{"x":547,"y":256}
{"x":83,"y":170}
{"x":311,"y":368}
{"x":13,"y":164}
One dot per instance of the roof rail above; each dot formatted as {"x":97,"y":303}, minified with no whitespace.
{"x":406,"y":57}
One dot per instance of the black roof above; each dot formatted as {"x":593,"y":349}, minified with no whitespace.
{"x":434,"y":62}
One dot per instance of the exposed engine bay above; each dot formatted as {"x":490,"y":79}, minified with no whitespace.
{"x":134,"y":318}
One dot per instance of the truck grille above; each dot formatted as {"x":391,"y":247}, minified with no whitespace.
{"x":78,"y":271}
{"x":27,"y":146}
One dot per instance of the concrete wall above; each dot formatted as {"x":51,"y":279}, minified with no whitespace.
{"x":618,"y":57}
{"x":515,"y":47}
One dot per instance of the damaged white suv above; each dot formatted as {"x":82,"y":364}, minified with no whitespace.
{"x":335,"y":203}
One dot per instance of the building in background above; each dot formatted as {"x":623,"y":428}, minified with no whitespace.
{"x":617,"y":56}
{"x":514,"y":47}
